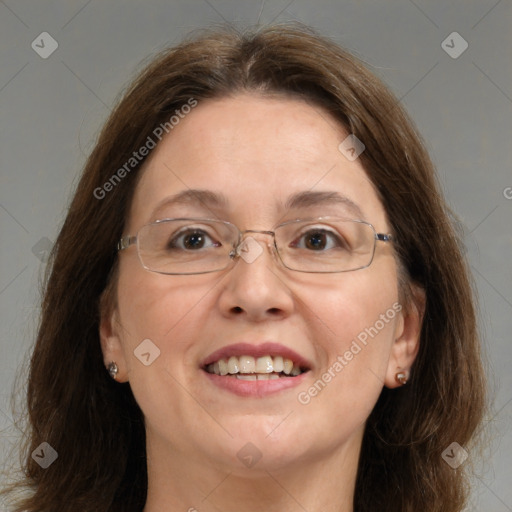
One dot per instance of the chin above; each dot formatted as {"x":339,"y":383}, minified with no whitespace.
{"x":260,"y":443}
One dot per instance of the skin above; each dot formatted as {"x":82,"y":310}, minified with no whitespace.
{"x":256,"y":150}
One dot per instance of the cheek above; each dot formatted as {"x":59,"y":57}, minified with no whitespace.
{"x":351,"y":304}
{"x":164,"y":310}
{"x":170,"y":313}
{"x":360,"y":317}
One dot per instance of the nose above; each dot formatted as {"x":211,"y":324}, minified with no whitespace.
{"x":256,"y":287}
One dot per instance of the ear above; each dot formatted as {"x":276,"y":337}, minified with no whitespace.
{"x":110,"y":330}
{"x":407,"y":338}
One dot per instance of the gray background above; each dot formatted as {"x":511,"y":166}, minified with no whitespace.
{"x":51,"y":110}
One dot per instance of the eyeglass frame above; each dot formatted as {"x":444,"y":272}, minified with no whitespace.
{"x":126,"y":241}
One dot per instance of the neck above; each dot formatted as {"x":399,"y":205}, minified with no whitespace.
{"x":179,"y":482}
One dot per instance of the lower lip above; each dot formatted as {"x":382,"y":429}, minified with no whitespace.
{"x":255,"y":388}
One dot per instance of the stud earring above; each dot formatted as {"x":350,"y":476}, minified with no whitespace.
{"x":112,"y":369}
{"x":401,"y":378}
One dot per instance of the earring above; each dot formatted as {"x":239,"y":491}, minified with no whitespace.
{"x":401,"y":378}
{"x":112,"y":369}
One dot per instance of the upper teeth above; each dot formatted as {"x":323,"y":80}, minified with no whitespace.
{"x":249,"y":364}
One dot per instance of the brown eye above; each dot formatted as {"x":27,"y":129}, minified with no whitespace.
{"x":319,"y":240}
{"x":316,"y":240}
{"x":192,"y":240}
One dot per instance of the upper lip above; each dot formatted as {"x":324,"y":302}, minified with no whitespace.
{"x":267,"y":348}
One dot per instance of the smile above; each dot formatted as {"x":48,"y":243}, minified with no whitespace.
{"x":255,"y":370}
{"x":259,"y":368}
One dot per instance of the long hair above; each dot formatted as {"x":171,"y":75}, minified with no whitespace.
{"x":95,"y":424}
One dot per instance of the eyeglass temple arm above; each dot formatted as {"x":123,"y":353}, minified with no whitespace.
{"x":125,"y":242}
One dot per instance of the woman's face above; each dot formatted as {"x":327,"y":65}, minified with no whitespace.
{"x":347,"y":329}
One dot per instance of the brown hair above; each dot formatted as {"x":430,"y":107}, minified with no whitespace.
{"x":95,"y":424}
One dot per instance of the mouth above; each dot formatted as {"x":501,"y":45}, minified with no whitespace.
{"x":255,"y":370}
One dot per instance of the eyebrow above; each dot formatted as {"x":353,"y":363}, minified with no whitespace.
{"x":206,"y":198}
{"x":311,"y":198}
{"x":211,"y":200}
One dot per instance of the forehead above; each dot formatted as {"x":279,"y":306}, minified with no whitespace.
{"x":256,"y":154}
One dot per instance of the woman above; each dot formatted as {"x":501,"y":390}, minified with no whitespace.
{"x":257,"y":300}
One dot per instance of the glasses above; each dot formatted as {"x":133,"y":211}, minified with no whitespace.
{"x":198,"y":246}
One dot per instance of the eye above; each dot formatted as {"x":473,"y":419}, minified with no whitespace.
{"x":319,"y":239}
{"x":191,"y":239}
